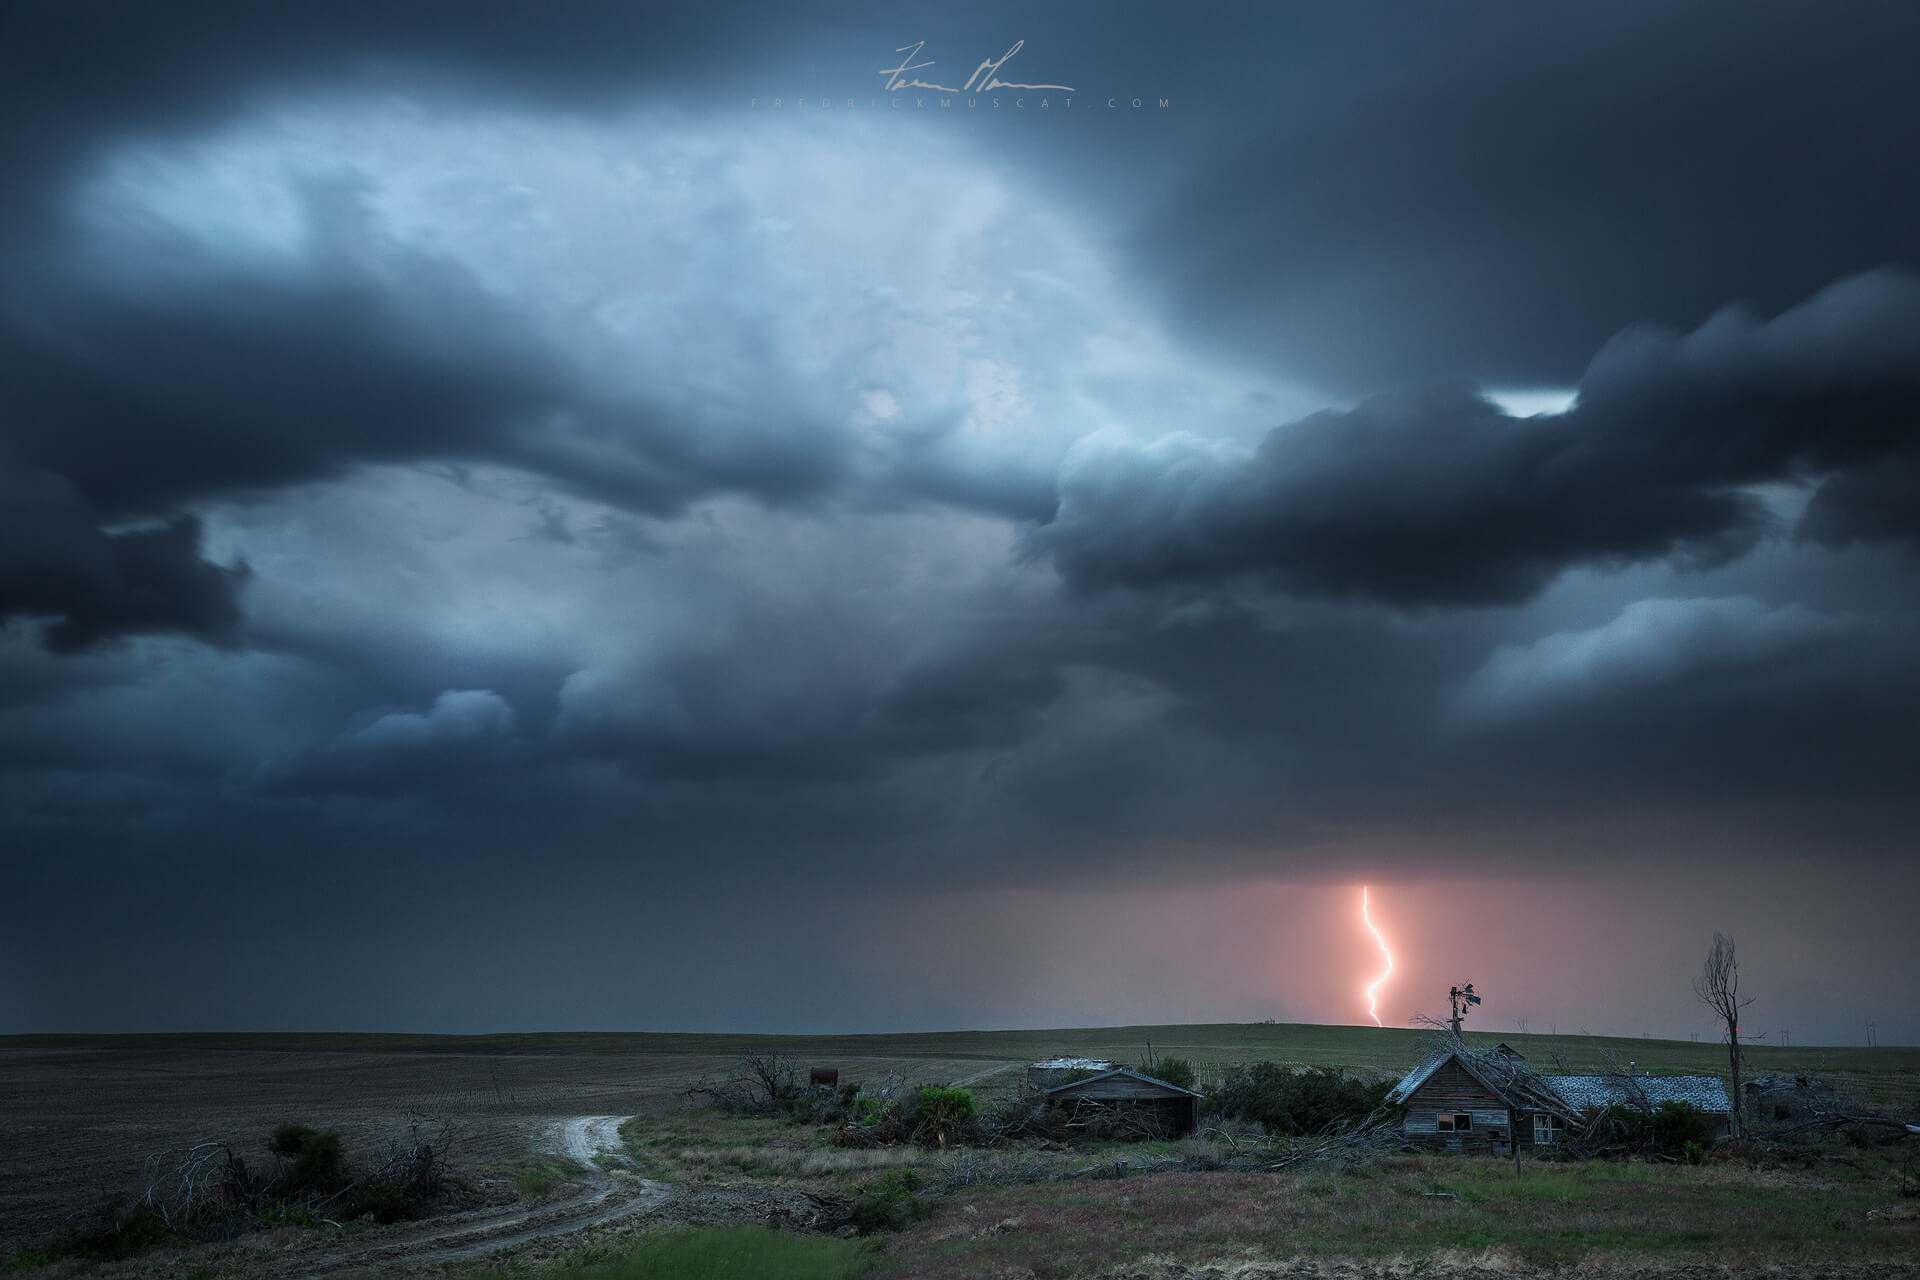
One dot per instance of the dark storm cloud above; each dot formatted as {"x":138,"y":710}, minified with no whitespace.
{"x":1489,"y":191}
{"x":1868,"y":504}
{"x":466,"y":732}
{"x":436,"y":740}
{"x":814,"y":705}
{"x":1435,"y":497}
{"x":56,"y":562}
{"x":184,"y":383}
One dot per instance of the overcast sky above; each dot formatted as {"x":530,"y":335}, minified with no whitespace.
{"x":517,"y":517}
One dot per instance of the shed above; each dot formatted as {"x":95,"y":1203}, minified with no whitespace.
{"x":1149,"y":1105}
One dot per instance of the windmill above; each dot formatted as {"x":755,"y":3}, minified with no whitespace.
{"x":1462,"y":997}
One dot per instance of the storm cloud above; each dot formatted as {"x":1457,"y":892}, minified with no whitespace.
{"x":499,"y":459}
{"x":1436,"y":497}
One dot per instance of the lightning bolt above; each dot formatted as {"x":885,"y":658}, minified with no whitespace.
{"x":1373,"y":1008}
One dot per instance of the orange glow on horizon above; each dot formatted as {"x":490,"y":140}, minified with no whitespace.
{"x":1373,"y":1008}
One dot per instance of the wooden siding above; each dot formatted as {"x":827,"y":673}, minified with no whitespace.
{"x":1451,"y":1090}
{"x":1114,"y":1088}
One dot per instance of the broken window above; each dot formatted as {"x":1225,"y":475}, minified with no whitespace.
{"x":1455,"y":1121}
{"x":1548,"y":1130}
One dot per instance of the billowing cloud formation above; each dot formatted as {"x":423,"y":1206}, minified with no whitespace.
{"x":1436,"y":497}
{"x":1648,"y":645}
{"x":464,"y":730}
{"x":624,"y":469}
{"x":58,"y":563}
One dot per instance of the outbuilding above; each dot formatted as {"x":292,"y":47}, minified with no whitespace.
{"x":1135,"y":1102}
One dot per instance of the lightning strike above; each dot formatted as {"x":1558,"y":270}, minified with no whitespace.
{"x":1373,"y":1008}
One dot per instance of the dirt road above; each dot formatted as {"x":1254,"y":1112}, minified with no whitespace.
{"x":603,"y":1197}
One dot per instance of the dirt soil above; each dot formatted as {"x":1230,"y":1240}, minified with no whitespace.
{"x":78,"y":1125}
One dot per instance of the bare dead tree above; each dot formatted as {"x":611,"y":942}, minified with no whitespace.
{"x":1718,"y":987}
{"x":758,"y":1082}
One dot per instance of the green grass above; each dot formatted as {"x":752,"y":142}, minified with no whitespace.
{"x":1306,"y":1043}
{"x":542,"y":1175}
{"x":1589,"y":1215}
{"x":713,"y":1253}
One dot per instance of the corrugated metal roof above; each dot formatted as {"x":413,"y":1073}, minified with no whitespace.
{"x":1075,"y":1064}
{"x":1084,"y":1081}
{"x":1705,"y":1092}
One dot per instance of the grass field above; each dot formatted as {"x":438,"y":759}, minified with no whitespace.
{"x":79,"y":1113}
{"x":1883,"y":1075}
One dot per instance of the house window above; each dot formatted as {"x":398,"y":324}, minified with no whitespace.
{"x":1455,"y":1122}
{"x":1547,"y":1130}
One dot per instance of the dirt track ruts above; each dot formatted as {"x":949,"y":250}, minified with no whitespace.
{"x":605,"y":1197}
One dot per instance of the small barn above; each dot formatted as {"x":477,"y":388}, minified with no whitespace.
{"x":1134,"y":1102}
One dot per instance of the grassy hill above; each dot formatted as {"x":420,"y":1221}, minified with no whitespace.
{"x":1883,"y":1075}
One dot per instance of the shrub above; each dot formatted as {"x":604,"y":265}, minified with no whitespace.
{"x":319,"y":1162}
{"x":1289,"y":1101}
{"x":119,"y":1232}
{"x":889,"y":1203}
{"x":386,"y":1199}
{"x":1175,"y":1071}
{"x":945,"y":1116}
{"x":1678,"y":1126}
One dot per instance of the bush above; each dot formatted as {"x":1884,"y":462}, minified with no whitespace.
{"x":1289,"y":1101}
{"x":119,"y":1232}
{"x":1678,"y":1126}
{"x":386,"y":1199}
{"x":1175,"y":1071}
{"x":945,"y":1117}
{"x":889,"y":1203}
{"x":319,"y":1162}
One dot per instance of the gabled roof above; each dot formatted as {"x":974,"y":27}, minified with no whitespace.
{"x":1704,"y":1092}
{"x":1084,"y":1081}
{"x":1432,"y":1063}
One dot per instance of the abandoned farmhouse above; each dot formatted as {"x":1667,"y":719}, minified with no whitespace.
{"x":1463,"y":1100}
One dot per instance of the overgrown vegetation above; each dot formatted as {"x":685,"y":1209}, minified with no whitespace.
{"x":890,"y":1202}
{"x":1295,"y":1101}
{"x":535,"y":1177}
{"x":211,"y":1192}
{"x":1604,"y":1217}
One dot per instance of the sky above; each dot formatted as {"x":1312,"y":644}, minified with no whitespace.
{"x":616,"y":517}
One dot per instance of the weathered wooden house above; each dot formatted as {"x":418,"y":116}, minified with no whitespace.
{"x":1141,"y":1102}
{"x":1463,"y":1100}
